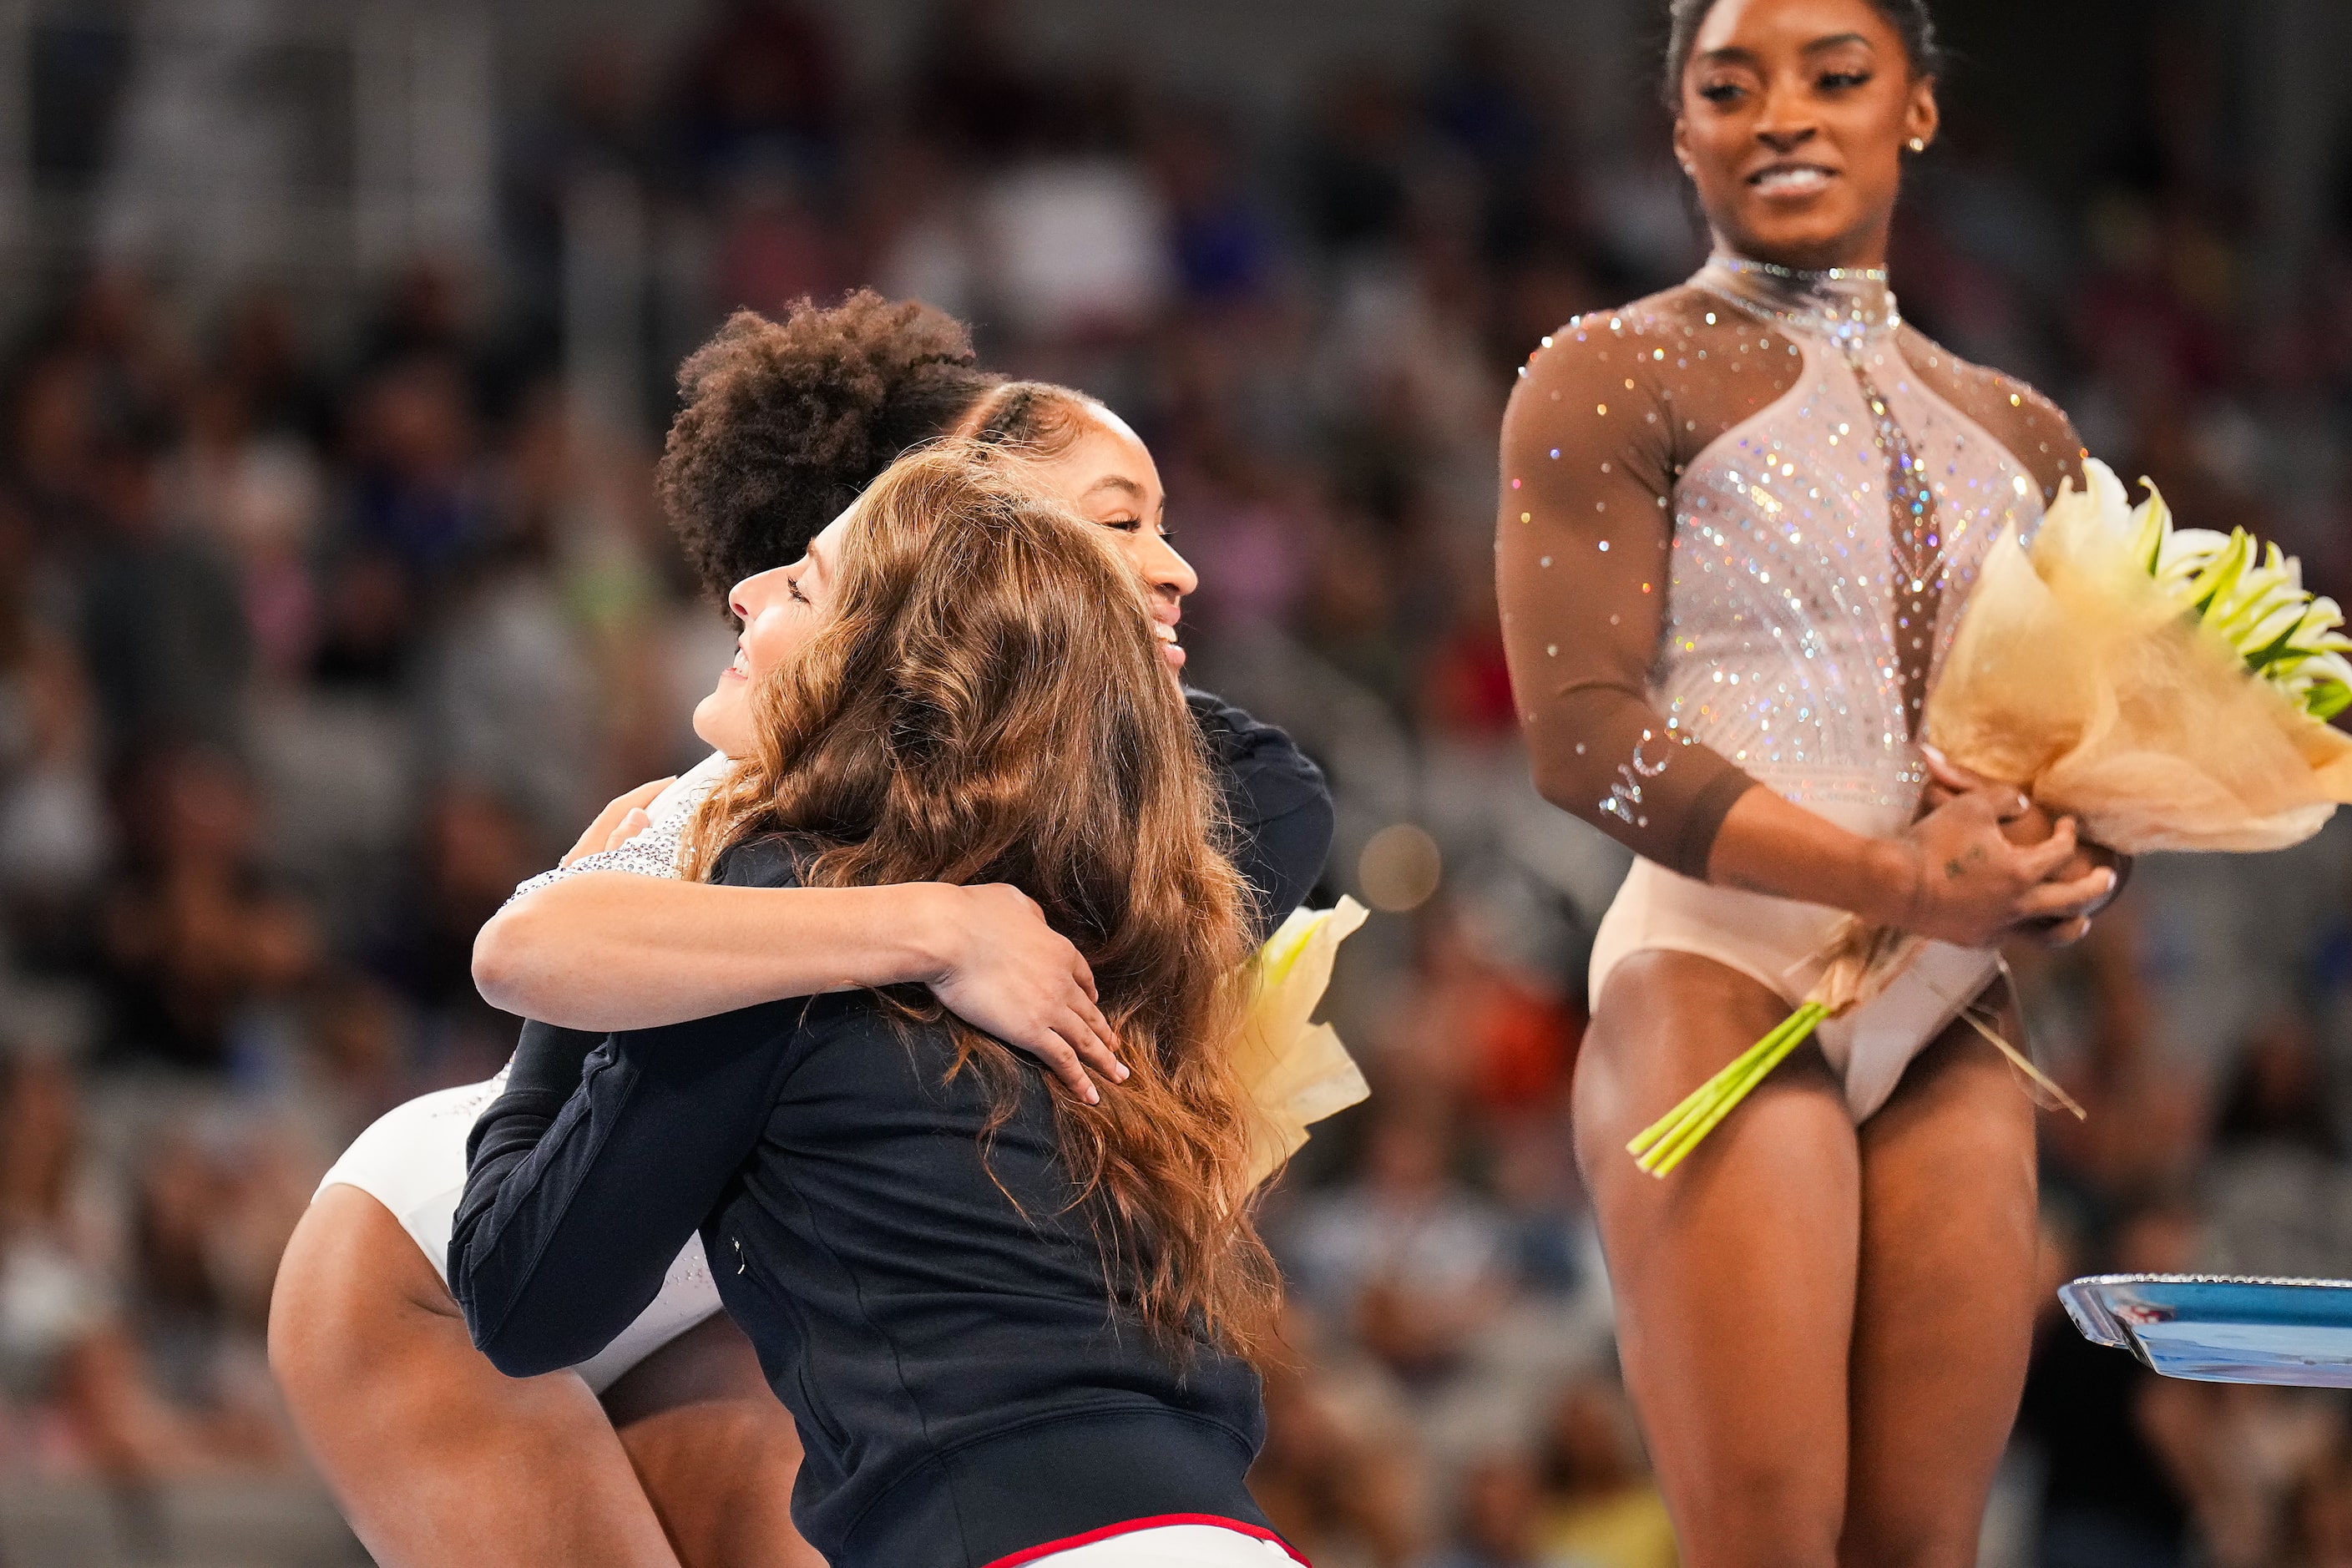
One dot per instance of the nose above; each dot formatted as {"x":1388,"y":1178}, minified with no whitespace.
{"x":1168,"y":573}
{"x":1785,"y":123}
{"x":749,"y":596}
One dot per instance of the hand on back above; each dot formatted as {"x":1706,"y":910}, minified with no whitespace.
{"x":1010,"y":974}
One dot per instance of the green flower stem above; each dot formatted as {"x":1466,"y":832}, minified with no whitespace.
{"x":1702,"y":1100}
{"x":1667,"y":1144}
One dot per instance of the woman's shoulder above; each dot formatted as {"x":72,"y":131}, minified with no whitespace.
{"x":2034,"y":430}
{"x":762,"y":860}
{"x":1620,"y":341}
{"x":1603,"y":384}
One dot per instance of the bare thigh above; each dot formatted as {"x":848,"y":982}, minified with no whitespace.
{"x":437,"y":1457}
{"x":1734,"y":1277}
{"x":1944,"y":1310}
{"x":714,"y":1450}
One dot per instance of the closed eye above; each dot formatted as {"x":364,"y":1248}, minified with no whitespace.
{"x":1842,"y":81}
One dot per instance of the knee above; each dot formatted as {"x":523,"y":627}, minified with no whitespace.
{"x":1762,"y":1517}
{"x":1873,"y":1540}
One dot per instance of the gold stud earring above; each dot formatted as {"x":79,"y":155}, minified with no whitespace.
{"x":1919,"y":144}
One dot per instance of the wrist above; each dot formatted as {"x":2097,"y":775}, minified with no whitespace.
{"x":1890,"y":883}
{"x":925,"y":930}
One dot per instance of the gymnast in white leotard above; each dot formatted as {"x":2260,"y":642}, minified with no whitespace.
{"x":1739,"y":522}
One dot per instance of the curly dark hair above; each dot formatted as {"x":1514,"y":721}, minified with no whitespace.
{"x":1910,"y":19}
{"x":786,"y":421}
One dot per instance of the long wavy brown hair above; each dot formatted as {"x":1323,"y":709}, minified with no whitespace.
{"x":985,"y":703}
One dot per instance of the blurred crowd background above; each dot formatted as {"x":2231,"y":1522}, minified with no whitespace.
{"x":335,"y":347}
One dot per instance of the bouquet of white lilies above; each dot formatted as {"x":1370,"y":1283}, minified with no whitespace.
{"x":2168,"y":688}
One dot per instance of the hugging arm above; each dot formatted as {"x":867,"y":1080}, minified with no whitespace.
{"x":611,"y":950}
{"x":615,"y":943}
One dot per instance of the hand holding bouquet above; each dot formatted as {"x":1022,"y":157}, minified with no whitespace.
{"x":2170,"y":688}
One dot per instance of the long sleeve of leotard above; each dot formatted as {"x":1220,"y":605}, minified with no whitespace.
{"x":1583,"y":543}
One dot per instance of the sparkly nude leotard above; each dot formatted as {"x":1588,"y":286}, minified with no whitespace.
{"x":1739,"y":521}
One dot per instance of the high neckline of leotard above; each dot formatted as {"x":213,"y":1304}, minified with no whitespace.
{"x":1849,"y":305}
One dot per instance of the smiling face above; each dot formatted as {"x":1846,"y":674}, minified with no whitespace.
{"x":1793,"y":121}
{"x":779,"y":610}
{"x":1107,"y":477}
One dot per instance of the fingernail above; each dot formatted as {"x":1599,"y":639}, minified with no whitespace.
{"x":1093,"y":1095}
{"x":1124,"y":1073}
{"x":2024,"y":802}
{"x":2112,"y":878}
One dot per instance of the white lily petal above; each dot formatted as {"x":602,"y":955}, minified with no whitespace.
{"x":2109,"y":501}
{"x":2275,"y":623}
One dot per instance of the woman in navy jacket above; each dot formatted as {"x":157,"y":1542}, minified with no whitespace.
{"x":1009,"y":1323}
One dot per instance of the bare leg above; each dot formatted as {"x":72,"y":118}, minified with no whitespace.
{"x":1734,"y":1277}
{"x":714,"y":1448}
{"x":1945,"y":1318}
{"x":437,"y":1457}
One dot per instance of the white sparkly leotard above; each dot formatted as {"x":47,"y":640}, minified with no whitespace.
{"x":1739,"y":523}
{"x":411,"y":1159}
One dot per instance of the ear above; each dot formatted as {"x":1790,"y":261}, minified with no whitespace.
{"x":1682,"y":144}
{"x":1920,"y":115}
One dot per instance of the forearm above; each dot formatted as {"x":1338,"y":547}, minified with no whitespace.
{"x":576,"y":1204}
{"x":1767,"y":844}
{"x":609,"y":950}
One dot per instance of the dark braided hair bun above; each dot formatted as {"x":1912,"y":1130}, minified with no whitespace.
{"x":785,"y":422}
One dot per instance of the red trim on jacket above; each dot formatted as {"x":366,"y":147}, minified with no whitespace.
{"x":1157,"y":1521}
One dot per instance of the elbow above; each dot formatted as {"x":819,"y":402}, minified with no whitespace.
{"x":516,"y":1343}
{"x":534,"y":1337}
{"x":520,"y":1355}
{"x":1561,"y":787}
{"x":507,"y":959}
{"x":496,"y":962}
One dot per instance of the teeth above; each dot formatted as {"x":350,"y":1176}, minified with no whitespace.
{"x":1798,"y":179}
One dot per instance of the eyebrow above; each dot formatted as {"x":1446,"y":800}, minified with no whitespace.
{"x":816,"y":561}
{"x":1732,"y":54}
{"x":1116,"y":483}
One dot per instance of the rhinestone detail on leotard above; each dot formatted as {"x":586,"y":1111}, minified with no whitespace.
{"x":1795,"y":642}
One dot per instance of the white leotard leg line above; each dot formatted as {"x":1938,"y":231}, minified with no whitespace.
{"x":412,"y":1160}
{"x":1776,"y":942}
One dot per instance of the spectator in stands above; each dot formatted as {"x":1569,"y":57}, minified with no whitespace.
{"x":195,"y":932}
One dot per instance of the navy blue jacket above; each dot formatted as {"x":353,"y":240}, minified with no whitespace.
{"x":940,"y":1323}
